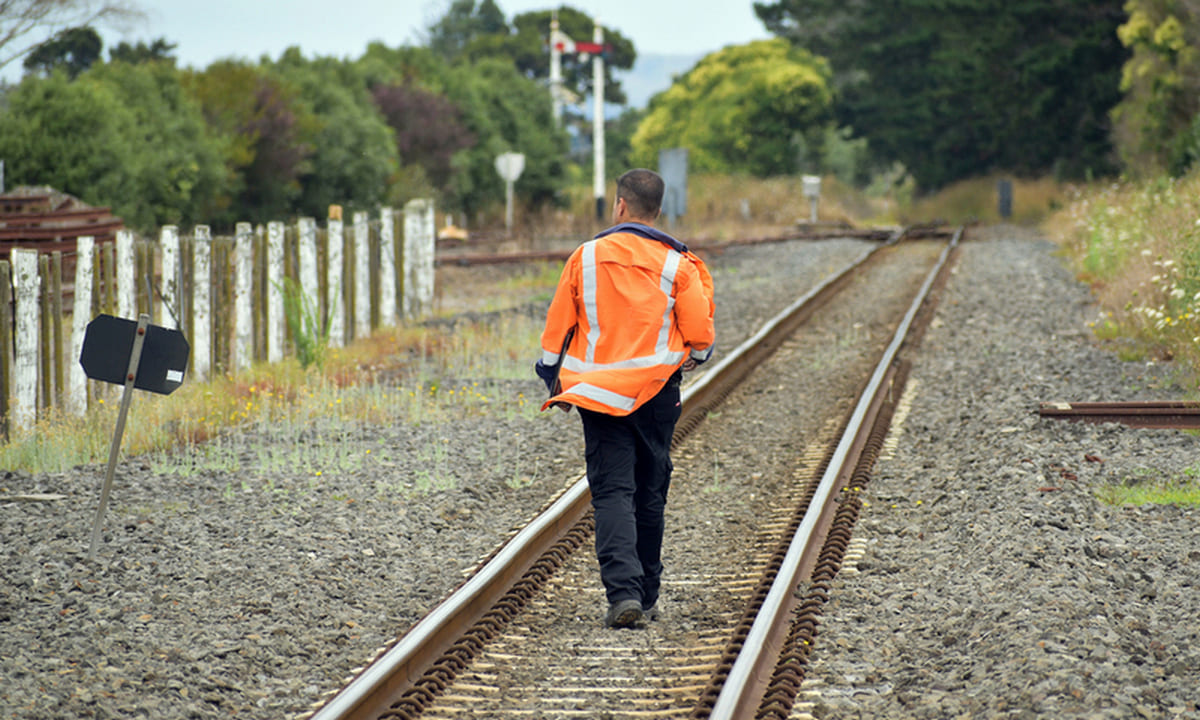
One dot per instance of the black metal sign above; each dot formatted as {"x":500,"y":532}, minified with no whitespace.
{"x":108,"y":346}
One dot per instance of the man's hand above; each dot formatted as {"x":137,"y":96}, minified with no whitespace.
{"x":689,"y":365}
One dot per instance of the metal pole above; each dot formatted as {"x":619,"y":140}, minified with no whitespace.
{"x":508,"y":206}
{"x":556,"y":69}
{"x":135,"y":357}
{"x":598,"y":123}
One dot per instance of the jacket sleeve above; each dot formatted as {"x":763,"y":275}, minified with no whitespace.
{"x":694,"y":309}
{"x":561,"y":317}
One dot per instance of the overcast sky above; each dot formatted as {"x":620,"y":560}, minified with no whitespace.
{"x":207,"y":30}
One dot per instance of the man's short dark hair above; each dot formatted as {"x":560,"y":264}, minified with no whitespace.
{"x":642,"y":190}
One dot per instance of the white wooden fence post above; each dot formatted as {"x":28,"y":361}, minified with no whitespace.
{"x":276,"y":327}
{"x":310,"y":287}
{"x":202,"y":302}
{"x":243,"y":295}
{"x":387,"y":267}
{"x":126,"y":271}
{"x":170,"y":310}
{"x":81,"y":315}
{"x":335,"y":277}
{"x":362,"y":276}
{"x":26,"y":359}
{"x":419,"y":237}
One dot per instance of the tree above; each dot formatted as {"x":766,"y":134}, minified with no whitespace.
{"x":267,"y":139}
{"x":428,"y":129}
{"x":505,"y":111}
{"x":69,"y":135}
{"x":159,"y":50}
{"x":529,"y":49}
{"x":741,"y":109}
{"x":74,"y":50}
{"x":1156,"y":122}
{"x":354,"y":158}
{"x":21,"y":19}
{"x":462,"y":24}
{"x":953,"y":88}
{"x":175,"y":173}
{"x":500,"y":108}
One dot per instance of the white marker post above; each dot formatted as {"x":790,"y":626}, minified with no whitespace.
{"x":510,"y":165}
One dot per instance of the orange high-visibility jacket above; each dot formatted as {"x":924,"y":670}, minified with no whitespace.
{"x":639,"y":303}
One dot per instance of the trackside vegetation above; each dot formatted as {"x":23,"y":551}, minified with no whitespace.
{"x":1137,"y":244}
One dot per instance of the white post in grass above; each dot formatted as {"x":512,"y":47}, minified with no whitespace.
{"x":362,"y":276}
{"x":310,"y":287}
{"x":126,"y":270}
{"x":419,"y":237}
{"x":170,"y":310}
{"x":387,"y":267}
{"x":26,"y":359}
{"x":276,"y":323}
{"x":243,"y":296}
{"x":335,"y":277}
{"x":202,"y":302}
{"x":81,"y":315}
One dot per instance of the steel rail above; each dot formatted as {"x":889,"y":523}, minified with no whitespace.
{"x":741,"y":693}
{"x":1178,"y":414}
{"x":383,"y":681}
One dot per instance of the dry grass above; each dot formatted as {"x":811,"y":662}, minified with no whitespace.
{"x":1138,"y":246}
{"x":400,"y":375}
{"x":1033,"y":200}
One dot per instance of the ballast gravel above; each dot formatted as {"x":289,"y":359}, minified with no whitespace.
{"x":995,"y":584}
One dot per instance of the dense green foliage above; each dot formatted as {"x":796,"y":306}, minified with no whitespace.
{"x":1158,"y":120}
{"x":72,"y":135}
{"x":472,"y":33}
{"x":242,"y":141}
{"x":741,"y":109}
{"x":73,"y":50}
{"x":956,"y":88}
{"x":121,"y":135}
{"x":939,"y":90}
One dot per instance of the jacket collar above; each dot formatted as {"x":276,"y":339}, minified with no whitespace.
{"x":645,"y":231}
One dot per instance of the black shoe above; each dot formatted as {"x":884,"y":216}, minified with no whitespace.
{"x":623,"y":614}
{"x":651,"y":613}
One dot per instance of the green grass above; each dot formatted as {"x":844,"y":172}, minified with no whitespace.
{"x":191,"y":431}
{"x":1175,"y":492}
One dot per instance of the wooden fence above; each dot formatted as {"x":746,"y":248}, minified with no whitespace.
{"x":225,"y":293}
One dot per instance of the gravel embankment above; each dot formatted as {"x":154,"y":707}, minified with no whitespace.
{"x":245,"y":583}
{"x":245,"y":587}
{"x":996,"y":584}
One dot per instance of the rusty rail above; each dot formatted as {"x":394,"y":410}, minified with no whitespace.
{"x":751,"y":687}
{"x":405,"y":678}
{"x":1179,"y":414}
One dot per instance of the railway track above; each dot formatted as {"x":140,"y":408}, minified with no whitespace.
{"x":521,"y":636}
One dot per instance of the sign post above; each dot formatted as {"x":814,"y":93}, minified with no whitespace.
{"x":510,"y":165}
{"x":673,"y":166}
{"x":812,"y":190}
{"x":155,"y":360}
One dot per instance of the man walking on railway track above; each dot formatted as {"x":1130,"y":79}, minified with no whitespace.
{"x":633,"y":310}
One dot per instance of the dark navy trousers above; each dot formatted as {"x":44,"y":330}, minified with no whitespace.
{"x":629,"y":472}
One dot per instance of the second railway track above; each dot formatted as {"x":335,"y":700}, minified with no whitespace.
{"x":741,"y":483}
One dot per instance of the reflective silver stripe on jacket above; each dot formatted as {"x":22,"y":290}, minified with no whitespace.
{"x":589,"y":298}
{"x":599,"y":394}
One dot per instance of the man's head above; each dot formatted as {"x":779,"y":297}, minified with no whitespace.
{"x":639,"y":196}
